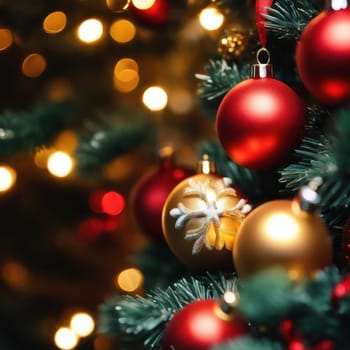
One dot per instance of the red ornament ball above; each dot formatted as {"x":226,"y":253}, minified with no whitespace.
{"x":199,"y":326}
{"x":323,"y":56}
{"x":259,"y":122}
{"x":155,"y":15}
{"x":151,"y":192}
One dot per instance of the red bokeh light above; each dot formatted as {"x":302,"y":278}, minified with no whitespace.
{"x":112,"y":203}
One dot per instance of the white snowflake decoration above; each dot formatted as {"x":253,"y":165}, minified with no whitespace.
{"x":211,"y":212}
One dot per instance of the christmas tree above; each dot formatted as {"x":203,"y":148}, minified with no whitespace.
{"x":175,"y":174}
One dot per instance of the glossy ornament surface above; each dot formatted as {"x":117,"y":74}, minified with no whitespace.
{"x":152,"y":190}
{"x":200,"y":220}
{"x":260,"y":121}
{"x":282,"y":233}
{"x":323,"y":56}
{"x":200,"y":326}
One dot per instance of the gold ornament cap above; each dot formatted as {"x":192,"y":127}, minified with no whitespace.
{"x":227,"y":305}
{"x":206,"y":166}
{"x":262,"y":69}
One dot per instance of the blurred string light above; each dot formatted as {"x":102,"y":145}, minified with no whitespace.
{"x":15,"y":274}
{"x":155,"y":98}
{"x":143,"y":4}
{"x":210,"y":18}
{"x":6,"y":38}
{"x":55,"y":22}
{"x":129,"y":280}
{"x":7,"y":178}
{"x":41,"y":157}
{"x":66,"y":141}
{"x":112,"y":203}
{"x":107,"y":202}
{"x":59,"y":90}
{"x":60,"y":164}
{"x":118,"y":5}
{"x":90,"y":31}
{"x":82,"y":324}
{"x":126,"y":76}
{"x":122,"y":31}
{"x":34,"y":65}
{"x":180,"y":101}
{"x":65,"y":338}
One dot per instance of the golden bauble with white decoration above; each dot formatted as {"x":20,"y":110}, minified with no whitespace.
{"x":284,"y":233}
{"x":201,"y":217}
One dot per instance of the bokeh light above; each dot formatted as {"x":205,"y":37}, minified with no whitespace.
{"x":90,"y":31}
{"x":34,"y":65}
{"x":155,"y":98}
{"x":15,"y":274}
{"x":60,"y":164}
{"x":65,"y":338}
{"x":7,"y":178}
{"x":118,"y":5}
{"x":143,"y":4}
{"x":59,"y":90}
{"x":180,"y":101}
{"x":6,"y":38}
{"x":41,"y":157}
{"x":67,"y":141}
{"x":55,"y":22}
{"x":112,"y":203}
{"x":129,"y":280}
{"x":82,"y":324}
{"x":211,"y":18}
{"x":126,"y":77}
{"x":122,"y":31}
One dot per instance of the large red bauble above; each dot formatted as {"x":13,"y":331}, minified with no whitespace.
{"x":259,"y":122}
{"x":156,"y":15}
{"x":198,"y":327}
{"x":151,"y":192}
{"x":323,"y":56}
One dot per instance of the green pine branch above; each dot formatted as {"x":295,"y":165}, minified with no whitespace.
{"x":327,"y":157}
{"x":220,"y":78}
{"x":288,"y":19}
{"x":111,"y":136}
{"x":144,"y":318}
{"x":25,"y":131}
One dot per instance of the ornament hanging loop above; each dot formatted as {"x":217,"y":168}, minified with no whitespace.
{"x":263,"y":56}
{"x":263,"y":69}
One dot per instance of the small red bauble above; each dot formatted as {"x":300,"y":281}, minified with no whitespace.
{"x":151,"y":192}
{"x":260,"y":121}
{"x":199,"y":326}
{"x":156,"y":15}
{"x":323,"y":56}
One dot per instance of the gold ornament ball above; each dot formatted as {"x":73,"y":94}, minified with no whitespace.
{"x":200,"y":219}
{"x":280,"y":233}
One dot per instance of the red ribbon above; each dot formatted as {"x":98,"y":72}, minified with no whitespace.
{"x":260,"y":10}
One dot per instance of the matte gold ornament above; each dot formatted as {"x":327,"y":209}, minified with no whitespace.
{"x":201,"y":217}
{"x":284,"y":233}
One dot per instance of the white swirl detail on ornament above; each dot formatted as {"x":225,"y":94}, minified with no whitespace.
{"x":210,"y":194}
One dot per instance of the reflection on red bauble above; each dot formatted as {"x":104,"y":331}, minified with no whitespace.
{"x":156,"y":15}
{"x":259,"y":122}
{"x":151,"y":192}
{"x":198,"y":326}
{"x":323,"y":56}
